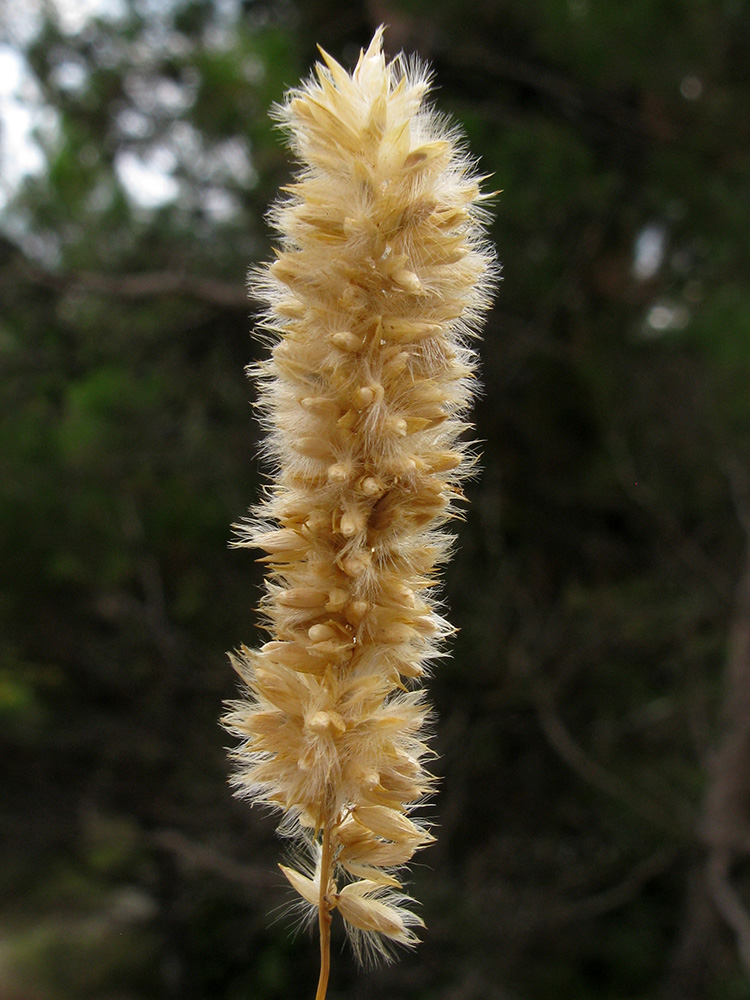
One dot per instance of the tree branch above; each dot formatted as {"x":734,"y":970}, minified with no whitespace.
{"x":619,"y":895}
{"x":728,"y":902}
{"x":148,"y":285}
{"x":193,"y":854}
{"x":590,"y":770}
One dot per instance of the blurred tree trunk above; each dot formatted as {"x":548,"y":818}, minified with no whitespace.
{"x":714,"y":899}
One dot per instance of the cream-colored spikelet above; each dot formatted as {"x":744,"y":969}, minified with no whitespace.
{"x":381,"y":279}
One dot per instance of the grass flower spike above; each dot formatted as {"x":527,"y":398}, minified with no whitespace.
{"x":381,"y":279}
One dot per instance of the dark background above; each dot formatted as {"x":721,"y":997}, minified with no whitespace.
{"x":594,"y":718}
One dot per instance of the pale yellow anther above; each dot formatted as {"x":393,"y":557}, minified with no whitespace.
{"x":399,"y":465}
{"x":356,"y":611}
{"x":371,"y":486}
{"x":356,"y":564}
{"x":396,"y":426}
{"x":363,"y":397}
{"x":347,"y":341}
{"x":321,"y":633}
{"x":325,"y":722}
{"x":340,"y":472}
{"x":366,"y":395}
{"x":352,"y":523}
{"x":407,"y":280}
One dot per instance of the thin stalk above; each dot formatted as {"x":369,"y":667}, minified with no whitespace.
{"x":324,"y":916}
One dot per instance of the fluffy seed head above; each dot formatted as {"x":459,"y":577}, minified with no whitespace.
{"x":381,"y":277}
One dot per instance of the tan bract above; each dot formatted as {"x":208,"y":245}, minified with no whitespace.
{"x":380,"y":280}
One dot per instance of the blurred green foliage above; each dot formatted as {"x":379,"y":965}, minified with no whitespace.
{"x":596,"y":573}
